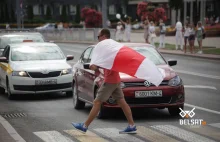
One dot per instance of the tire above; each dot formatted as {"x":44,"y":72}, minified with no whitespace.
{"x":69,"y":93}
{"x":2,"y":90}
{"x":10,"y":95}
{"x":102,"y":113}
{"x":78,"y":104}
{"x":174,"y":111}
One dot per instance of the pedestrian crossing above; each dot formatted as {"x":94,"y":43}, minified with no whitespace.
{"x":155,"y":133}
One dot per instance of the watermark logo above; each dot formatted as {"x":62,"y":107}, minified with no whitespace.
{"x":187,"y":118}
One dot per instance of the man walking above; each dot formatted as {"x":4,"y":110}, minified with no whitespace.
{"x":110,"y":87}
{"x":179,"y":35}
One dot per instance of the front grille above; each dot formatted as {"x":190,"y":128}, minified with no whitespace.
{"x":41,"y":75}
{"x":42,"y":87}
{"x":146,"y":101}
{"x":141,"y":84}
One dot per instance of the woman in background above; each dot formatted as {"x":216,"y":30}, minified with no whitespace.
{"x":146,"y":30}
{"x":127,"y":29}
{"x":186,"y":35}
{"x":152,"y":33}
{"x":191,"y":37}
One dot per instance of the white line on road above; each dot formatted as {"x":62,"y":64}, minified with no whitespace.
{"x":201,"y":108}
{"x":52,"y":136}
{"x":12,"y":132}
{"x":200,"y":86}
{"x":217,"y":125}
{"x":198,"y":74}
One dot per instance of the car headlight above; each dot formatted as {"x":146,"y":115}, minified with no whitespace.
{"x":66,"y":71}
{"x":176,"y":81}
{"x":122,"y":85}
{"x":20,"y":73}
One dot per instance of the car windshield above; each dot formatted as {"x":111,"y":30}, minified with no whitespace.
{"x":29,"y":53}
{"x":151,"y":54}
{"x":20,"y":38}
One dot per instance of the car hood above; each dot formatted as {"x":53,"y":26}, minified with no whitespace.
{"x":169,"y":73}
{"x":53,"y":65}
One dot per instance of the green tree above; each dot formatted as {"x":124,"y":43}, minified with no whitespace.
{"x":7,"y":19}
{"x":176,"y":4}
{"x":30,"y":14}
{"x":63,"y":14}
{"x":77,"y":18}
{"x":12,"y":14}
{"x":2,"y":14}
{"x":48,"y":13}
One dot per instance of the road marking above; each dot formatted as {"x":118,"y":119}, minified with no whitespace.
{"x":181,"y":133}
{"x":12,"y":132}
{"x":88,"y":137}
{"x":205,"y":131}
{"x":113,"y":133}
{"x":198,"y":74}
{"x":52,"y":136}
{"x":201,"y":108}
{"x":200,"y":86}
{"x":153,"y":136}
{"x":217,"y":125}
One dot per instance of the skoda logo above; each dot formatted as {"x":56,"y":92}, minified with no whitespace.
{"x":147,"y":84}
{"x":45,"y":71}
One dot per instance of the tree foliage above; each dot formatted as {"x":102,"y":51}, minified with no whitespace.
{"x":48,"y":13}
{"x":63,"y":14}
{"x":176,"y":4}
{"x":153,"y":15}
{"x":92,"y":17}
{"x":77,"y":18}
{"x":30,"y":14}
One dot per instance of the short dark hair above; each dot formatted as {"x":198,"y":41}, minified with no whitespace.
{"x":105,"y":32}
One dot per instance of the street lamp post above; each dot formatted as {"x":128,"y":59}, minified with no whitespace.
{"x":104,"y":13}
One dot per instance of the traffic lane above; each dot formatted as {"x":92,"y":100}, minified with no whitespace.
{"x":200,"y":91}
{"x":57,"y":113}
{"x":195,"y":65}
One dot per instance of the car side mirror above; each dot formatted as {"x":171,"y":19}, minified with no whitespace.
{"x":172,"y":62}
{"x":69,"y":57}
{"x":3,"y":59}
{"x":86,"y":66}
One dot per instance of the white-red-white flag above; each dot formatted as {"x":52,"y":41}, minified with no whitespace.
{"x":115,"y":56}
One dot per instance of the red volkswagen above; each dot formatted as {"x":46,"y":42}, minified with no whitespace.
{"x":138,"y":92}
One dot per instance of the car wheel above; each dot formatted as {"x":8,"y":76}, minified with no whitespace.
{"x":102,"y":113}
{"x":174,"y":111}
{"x":2,"y":90}
{"x":10,"y":95}
{"x":69,"y":93}
{"x":78,"y":104}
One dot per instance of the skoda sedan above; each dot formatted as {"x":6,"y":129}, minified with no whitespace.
{"x":31,"y":68}
{"x":138,"y":92}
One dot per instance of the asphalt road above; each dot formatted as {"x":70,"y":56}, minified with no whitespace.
{"x":48,"y":117}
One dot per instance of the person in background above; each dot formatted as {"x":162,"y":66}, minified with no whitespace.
{"x":200,"y":35}
{"x":152,"y":33}
{"x":179,"y":35}
{"x":7,"y":26}
{"x":191,"y":37}
{"x":186,"y":35}
{"x":146,"y":30}
{"x":110,"y":87}
{"x":162,"y":29}
{"x":127,"y":28}
{"x":119,"y":32}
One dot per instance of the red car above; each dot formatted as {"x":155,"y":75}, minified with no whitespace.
{"x":138,"y":92}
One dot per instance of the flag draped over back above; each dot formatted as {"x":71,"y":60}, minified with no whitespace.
{"x":115,"y":56}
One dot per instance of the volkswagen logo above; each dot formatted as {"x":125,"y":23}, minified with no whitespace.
{"x":45,"y":71}
{"x":147,"y":84}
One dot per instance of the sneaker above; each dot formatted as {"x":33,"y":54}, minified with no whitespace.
{"x":129,"y":130}
{"x":80,"y":127}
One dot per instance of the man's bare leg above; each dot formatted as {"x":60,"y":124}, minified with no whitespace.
{"x":127,"y":110}
{"x":93,"y":113}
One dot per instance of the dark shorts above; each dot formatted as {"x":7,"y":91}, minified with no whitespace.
{"x":191,"y":37}
{"x":109,"y":89}
{"x":186,"y":37}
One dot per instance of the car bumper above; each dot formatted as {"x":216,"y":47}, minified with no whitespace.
{"x":171,"y":96}
{"x":26,"y":85}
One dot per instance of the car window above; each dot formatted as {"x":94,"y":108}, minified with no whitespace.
{"x":30,"y":53}
{"x":151,"y":54}
{"x":86,"y":55}
{"x":6,"y":52}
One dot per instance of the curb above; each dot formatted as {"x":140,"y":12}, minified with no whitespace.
{"x":204,"y":56}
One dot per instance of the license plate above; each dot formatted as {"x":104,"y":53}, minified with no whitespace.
{"x":45,"y":82}
{"x":145,"y":94}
